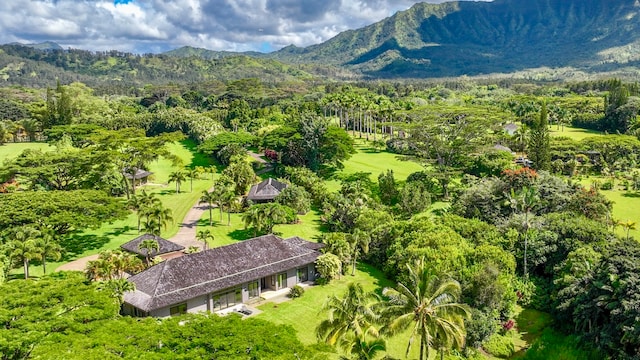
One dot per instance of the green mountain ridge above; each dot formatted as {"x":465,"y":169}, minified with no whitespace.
{"x":474,"y":38}
{"x":565,"y":38}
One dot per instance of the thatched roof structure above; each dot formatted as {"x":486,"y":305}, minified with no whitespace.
{"x":267,"y":190}
{"x":164,"y":246}
{"x":180,"y":279}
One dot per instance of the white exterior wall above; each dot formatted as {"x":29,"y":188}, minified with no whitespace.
{"x":199,"y":304}
{"x":160,"y":313}
{"x":292,"y":277}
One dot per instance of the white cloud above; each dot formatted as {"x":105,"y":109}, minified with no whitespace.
{"x":159,"y":25}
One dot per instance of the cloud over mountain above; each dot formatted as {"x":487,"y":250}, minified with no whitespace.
{"x":159,"y":25}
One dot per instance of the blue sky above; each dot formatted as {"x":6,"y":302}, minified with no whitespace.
{"x":144,"y":26}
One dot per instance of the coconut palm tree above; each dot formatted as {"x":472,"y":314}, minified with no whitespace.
{"x":229,"y":199}
{"x":359,"y":348}
{"x":205,"y":236}
{"x":426,"y":304}
{"x":49,"y":248}
{"x":349,"y":315}
{"x":209,"y":198}
{"x":149,"y":245}
{"x":23,"y":246}
{"x":177,"y":177}
{"x":627,"y":226}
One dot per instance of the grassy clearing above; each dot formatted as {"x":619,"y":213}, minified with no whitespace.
{"x":304,"y":314}
{"x":11,"y":150}
{"x":574,"y":133}
{"x":309,"y":227}
{"x":367,"y":159}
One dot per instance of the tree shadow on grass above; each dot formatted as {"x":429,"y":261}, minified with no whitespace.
{"x":242,"y":234}
{"x":381,"y":281}
{"x":629,"y":194}
{"x":199,"y":159}
{"x":76,"y":244}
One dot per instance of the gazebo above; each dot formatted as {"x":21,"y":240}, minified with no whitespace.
{"x":266,"y":191}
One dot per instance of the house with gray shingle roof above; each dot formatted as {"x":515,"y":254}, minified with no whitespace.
{"x":221,"y":278}
{"x":266,"y":191}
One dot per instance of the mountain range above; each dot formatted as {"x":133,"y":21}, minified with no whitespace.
{"x":426,"y":41}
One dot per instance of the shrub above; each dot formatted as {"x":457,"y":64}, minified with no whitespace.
{"x":500,"y":346}
{"x":296,"y":292}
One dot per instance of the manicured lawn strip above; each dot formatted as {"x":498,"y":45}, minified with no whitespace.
{"x":574,"y":133}
{"x":304,"y":314}
{"x":366,"y":159}
{"x":11,"y":150}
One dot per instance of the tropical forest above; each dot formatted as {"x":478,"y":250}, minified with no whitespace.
{"x":464,"y":208}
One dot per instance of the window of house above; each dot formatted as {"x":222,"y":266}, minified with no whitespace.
{"x":253,"y":290}
{"x":178,"y":309}
{"x":227,"y":299}
{"x":303,"y":274}
{"x":282,"y":280}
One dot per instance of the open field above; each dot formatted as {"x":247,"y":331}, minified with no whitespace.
{"x":366,"y":159}
{"x":11,"y":150}
{"x":574,"y":133}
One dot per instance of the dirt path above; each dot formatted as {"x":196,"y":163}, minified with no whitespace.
{"x":186,"y":237}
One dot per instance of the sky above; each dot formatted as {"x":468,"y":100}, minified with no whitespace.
{"x":153,"y":26}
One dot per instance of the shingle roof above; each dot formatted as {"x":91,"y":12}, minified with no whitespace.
{"x":177,"y":280}
{"x":164,"y":246}
{"x":266,"y":190}
{"x":140,"y":174}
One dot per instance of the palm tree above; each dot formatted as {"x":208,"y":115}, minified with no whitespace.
{"x":150,"y":245}
{"x":30,"y":127}
{"x":428,"y":305}
{"x":178,"y":177}
{"x":349,"y":315}
{"x":23,"y":246}
{"x":117,"y":288}
{"x":359,"y":241}
{"x":141,"y":202}
{"x":209,"y":198}
{"x":157,"y":216}
{"x":220,"y":190}
{"x":627,"y":226}
{"x":359,"y":348}
{"x":49,"y":249}
{"x":192,"y":174}
{"x":229,"y":198}
{"x":524,"y":201}
{"x":252,"y":218}
{"x":205,"y":236}
{"x":112,"y":264}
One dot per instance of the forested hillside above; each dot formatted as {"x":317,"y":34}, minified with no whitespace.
{"x":471,"y":38}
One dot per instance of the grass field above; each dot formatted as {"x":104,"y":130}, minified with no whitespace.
{"x":574,"y":133}
{"x":305,"y":313}
{"x":11,"y":150}
{"x":367,"y":159}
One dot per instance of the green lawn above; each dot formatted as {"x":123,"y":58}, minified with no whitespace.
{"x":11,"y":150}
{"x":366,"y":159}
{"x":574,"y":133}
{"x":305,"y":313}
{"x":309,"y":228}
